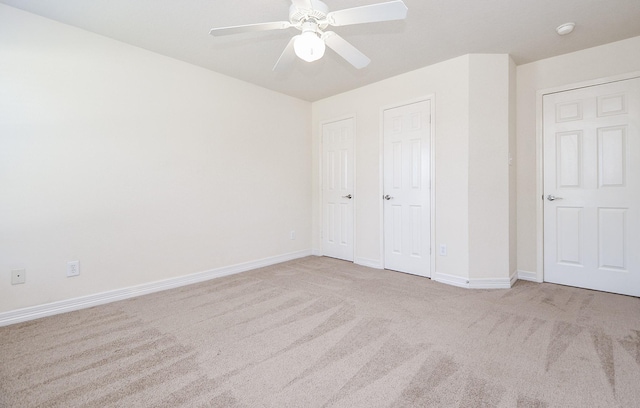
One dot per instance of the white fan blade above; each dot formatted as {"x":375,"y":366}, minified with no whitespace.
{"x":287,"y":56}
{"x":392,"y":10}
{"x":302,"y":4}
{"x":250,"y":28}
{"x":345,"y":50}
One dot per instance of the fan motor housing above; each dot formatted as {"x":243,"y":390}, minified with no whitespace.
{"x":317,"y":13}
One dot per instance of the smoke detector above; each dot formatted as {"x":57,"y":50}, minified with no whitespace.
{"x":565,"y":28}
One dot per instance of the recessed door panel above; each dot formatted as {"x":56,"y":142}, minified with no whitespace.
{"x":569,"y":221}
{"x":344,"y":169}
{"x":331,"y":223}
{"x":612,"y":238}
{"x":612,"y":104}
{"x":331,"y":169}
{"x":397,"y":165}
{"x":569,"y":163}
{"x":612,"y":153}
{"x":568,"y":111}
{"x":416,"y":234}
{"x":416,"y":164}
{"x":344,"y":227}
{"x":396,"y":232}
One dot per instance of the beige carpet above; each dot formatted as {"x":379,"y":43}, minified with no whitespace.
{"x":319,"y":332}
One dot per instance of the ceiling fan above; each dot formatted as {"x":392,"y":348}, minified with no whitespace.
{"x":312,"y":17}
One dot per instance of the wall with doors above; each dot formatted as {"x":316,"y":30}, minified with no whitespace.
{"x":142,"y":167}
{"x":448,"y":83}
{"x":471,"y":97}
{"x":590,"y":65}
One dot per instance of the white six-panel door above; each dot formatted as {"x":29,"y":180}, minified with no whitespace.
{"x":407,"y":223}
{"x":592,"y":187}
{"x":337,"y":189}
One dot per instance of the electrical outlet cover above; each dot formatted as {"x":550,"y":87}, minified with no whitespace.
{"x":73,"y":268}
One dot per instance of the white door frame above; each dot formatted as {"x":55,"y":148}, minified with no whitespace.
{"x":321,"y":177}
{"x":432,"y":161}
{"x":540,"y":156}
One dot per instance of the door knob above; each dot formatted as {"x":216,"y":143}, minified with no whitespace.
{"x":553,"y":198}
{"x":387,"y":197}
{"x":349,"y":196}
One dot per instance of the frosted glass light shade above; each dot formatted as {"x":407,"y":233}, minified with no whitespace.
{"x":309,"y":46}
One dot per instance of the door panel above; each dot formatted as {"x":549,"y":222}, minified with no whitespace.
{"x":407,"y":212}
{"x":592,"y":167}
{"x":337,"y":189}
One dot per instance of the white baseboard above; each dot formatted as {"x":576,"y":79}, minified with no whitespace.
{"x":450,"y":279}
{"x":490,"y":283}
{"x":486,"y":283}
{"x":371,"y":263}
{"x":83,"y":302}
{"x":528,"y":276}
{"x":513,"y":278}
{"x":316,"y":252}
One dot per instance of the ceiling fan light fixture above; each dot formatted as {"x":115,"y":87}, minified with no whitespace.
{"x":309,"y":47}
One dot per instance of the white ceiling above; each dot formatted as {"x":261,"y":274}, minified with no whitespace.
{"x":434,"y":31}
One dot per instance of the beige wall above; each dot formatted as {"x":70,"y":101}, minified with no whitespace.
{"x":140,"y":166}
{"x":471,"y":95}
{"x":592,"y":65}
{"x":489,"y":195}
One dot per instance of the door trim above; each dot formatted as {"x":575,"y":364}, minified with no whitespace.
{"x":321,"y":177}
{"x":432,"y":185}
{"x":540,"y":156}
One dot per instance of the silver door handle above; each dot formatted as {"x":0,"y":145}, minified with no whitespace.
{"x":349,"y":196}
{"x":553,"y":198}
{"x":388,"y":197}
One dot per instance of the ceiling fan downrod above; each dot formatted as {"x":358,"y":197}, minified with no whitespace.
{"x":298,"y":15}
